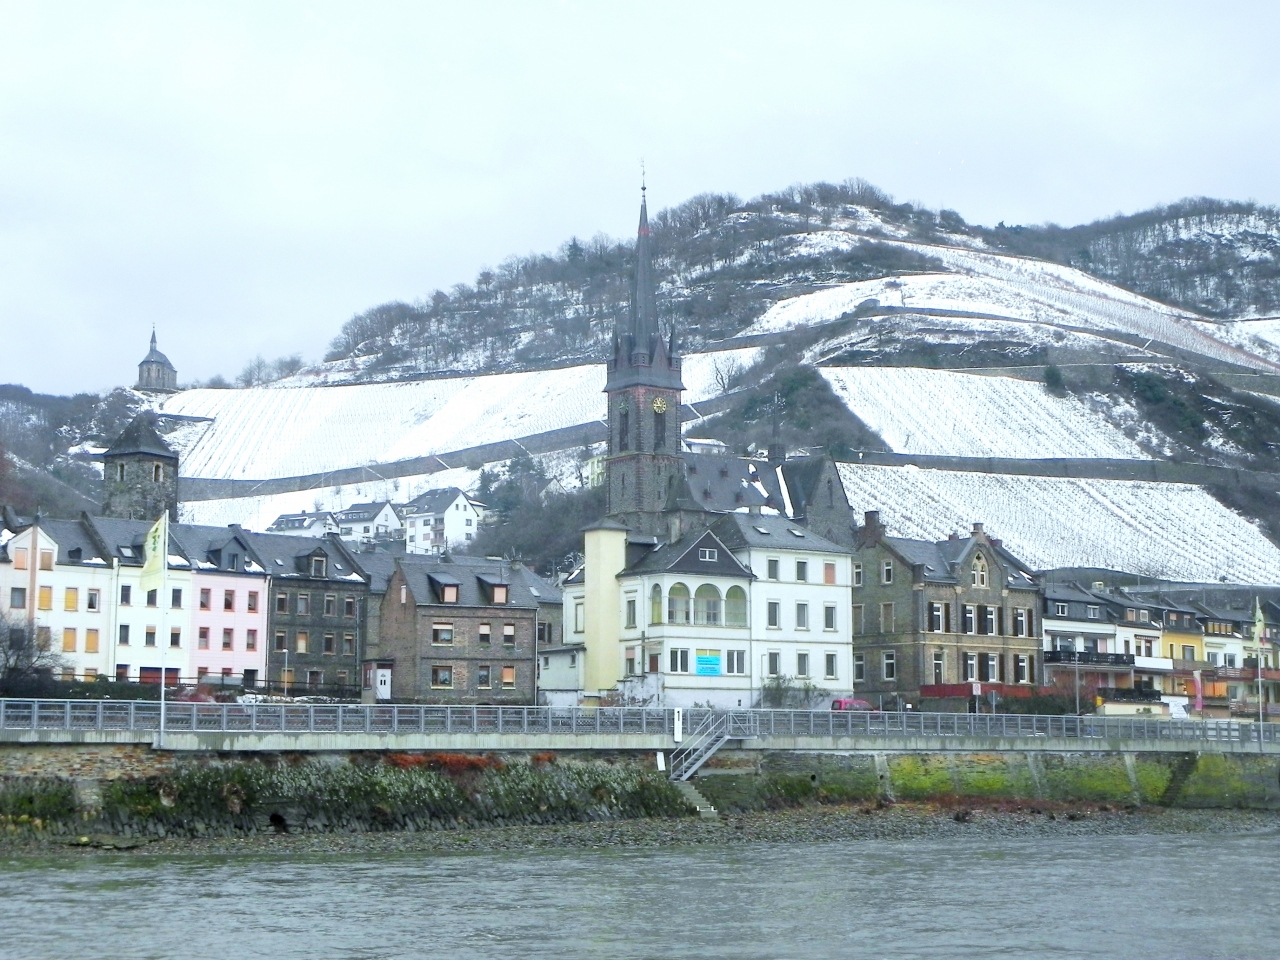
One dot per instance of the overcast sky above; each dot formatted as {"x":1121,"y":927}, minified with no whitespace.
{"x":246,"y":176}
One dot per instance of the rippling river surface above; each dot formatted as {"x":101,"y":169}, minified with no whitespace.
{"x":1181,"y":896}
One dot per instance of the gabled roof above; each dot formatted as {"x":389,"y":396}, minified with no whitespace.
{"x":682,"y":557}
{"x":943,"y":561}
{"x":773,"y":532}
{"x":434,"y":501}
{"x":364,"y":511}
{"x":298,"y":521}
{"x":140,"y":437}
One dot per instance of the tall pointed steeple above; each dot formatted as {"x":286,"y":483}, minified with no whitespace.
{"x":644,"y":307}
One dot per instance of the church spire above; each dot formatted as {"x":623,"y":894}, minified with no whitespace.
{"x":153,"y":336}
{"x":644,"y":308}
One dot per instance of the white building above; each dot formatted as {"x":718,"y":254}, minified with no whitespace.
{"x":755,"y":603}
{"x":367,"y":522}
{"x":439,"y":520}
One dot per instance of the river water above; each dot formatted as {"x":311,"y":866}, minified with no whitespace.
{"x":1118,"y":897}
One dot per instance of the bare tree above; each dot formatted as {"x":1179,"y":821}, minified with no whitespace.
{"x":27,"y":657}
{"x":254,"y":374}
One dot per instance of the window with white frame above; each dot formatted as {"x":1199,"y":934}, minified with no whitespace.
{"x":935,"y":617}
{"x":889,"y":665}
{"x":859,"y":667}
{"x":708,"y":554}
{"x":735,"y":662}
{"x":1092,"y":612}
{"x":631,"y":613}
{"x":978,"y":572}
{"x":829,"y":616}
{"x":970,"y":618}
{"x":970,"y":667}
{"x":579,"y":617}
{"x":886,"y":618}
{"x":802,"y":616}
{"x":678,"y":661}
{"x":886,"y":572}
{"x":1020,"y":623}
{"x":772,"y":564}
{"x":802,"y":664}
{"x":938,"y":666}
{"x":857,"y":574}
{"x":829,"y":672}
{"x":802,"y":571}
{"x":773,"y":663}
{"x":1020,"y":670}
{"x":1059,"y":609}
{"x":774,"y":611}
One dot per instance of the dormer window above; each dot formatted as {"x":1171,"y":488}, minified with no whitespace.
{"x":318,"y":565}
{"x":449,"y":593}
{"x":233,"y":562}
{"x":708,"y":553}
{"x":1093,"y":612}
{"x":499,"y":593}
{"x":978,"y":572}
{"x":1144,"y":616}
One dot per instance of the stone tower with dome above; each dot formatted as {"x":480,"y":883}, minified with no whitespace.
{"x":155,"y":373}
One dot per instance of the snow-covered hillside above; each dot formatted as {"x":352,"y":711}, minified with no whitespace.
{"x":946,"y":413}
{"x":1016,"y":288}
{"x":1154,"y":529}
{"x":266,"y":433}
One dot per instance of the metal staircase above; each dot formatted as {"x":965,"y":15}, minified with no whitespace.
{"x":716,"y":729}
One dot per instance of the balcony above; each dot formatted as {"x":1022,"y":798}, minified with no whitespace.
{"x":1085,"y":658}
{"x":1129,"y":694}
{"x":1162,"y":664}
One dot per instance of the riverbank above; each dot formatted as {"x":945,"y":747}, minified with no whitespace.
{"x":822,"y":824}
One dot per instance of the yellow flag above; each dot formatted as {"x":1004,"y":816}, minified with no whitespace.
{"x":157,"y":550}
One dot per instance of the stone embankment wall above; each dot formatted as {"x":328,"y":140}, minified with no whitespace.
{"x":79,"y":790}
{"x":1209,"y":780}
{"x":131,"y":790}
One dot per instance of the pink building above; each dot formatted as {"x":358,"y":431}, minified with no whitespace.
{"x":229,"y":605}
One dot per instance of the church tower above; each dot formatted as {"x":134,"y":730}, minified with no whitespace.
{"x":643,"y":467}
{"x":140,"y":474}
{"x":155,"y":372}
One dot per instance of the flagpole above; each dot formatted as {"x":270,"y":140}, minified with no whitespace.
{"x":1259,"y":628}
{"x":164,"y":617}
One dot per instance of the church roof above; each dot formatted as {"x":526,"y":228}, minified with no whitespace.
{"x":155,"y":356}
{"x":140,"y":437}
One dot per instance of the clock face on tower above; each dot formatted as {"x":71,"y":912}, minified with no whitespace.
{"x":660,"y":405}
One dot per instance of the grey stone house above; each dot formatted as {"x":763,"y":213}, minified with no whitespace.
{"x":317,"y":605}
{"x":932,"y":619}
{"x":140,"y":474}
{"x":458,"y":629}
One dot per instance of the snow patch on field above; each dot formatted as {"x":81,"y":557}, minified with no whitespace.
{"x":1166,"y":530}
{"x":945,"y":413}
{"x":269,"y":432}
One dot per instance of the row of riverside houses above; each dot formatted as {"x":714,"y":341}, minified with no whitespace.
{"x":432,"y":523}
{"x":735,"y":582}
{"x":272,"y":613}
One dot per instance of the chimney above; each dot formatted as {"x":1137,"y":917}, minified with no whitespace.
{"x":777,"y":453}
{"x":871,"y":519}
{"x":953,"y":535}
{"x":977,"y":529}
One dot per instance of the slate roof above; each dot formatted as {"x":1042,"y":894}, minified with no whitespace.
{"x":297,"y":521}
{"x":363,"y":511}
{"x":682,"y":557}
{"x":770,"y":531}
{"x":425,"y":573}
{"x":940,"y":559}
{"x":722,"y":484}
{"x":73,"y":535}
{"x":434,"y":501}
{"x":140,"y":437}
{"x":282,"y":555}
{"x":155,"y":356}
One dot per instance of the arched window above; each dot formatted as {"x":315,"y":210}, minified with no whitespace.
{"x":735,"y":607}
{"x":706,"y":605}
{"x":655,"y":604}
{"x":624,"y":430}
{"x":659,"y":429}
{"x":978,"y":573}
{"x":678,"y":604}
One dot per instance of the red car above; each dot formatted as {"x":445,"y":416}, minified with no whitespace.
{"x":849,"y":703}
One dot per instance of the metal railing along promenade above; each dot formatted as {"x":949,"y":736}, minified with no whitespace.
{"x":233,"y":718}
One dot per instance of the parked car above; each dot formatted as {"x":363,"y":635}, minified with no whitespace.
{"x":849,"y":703}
